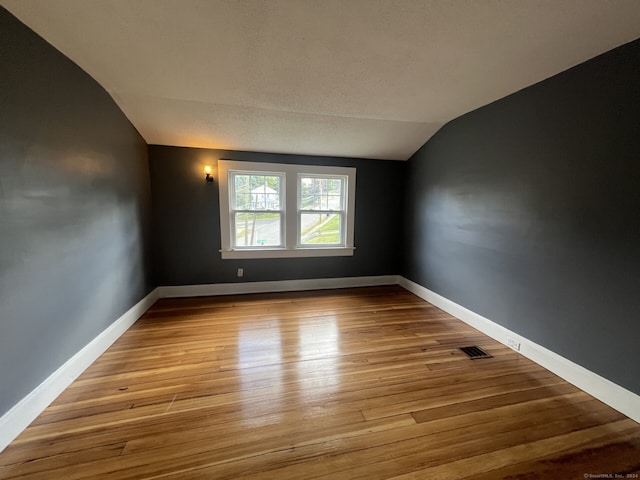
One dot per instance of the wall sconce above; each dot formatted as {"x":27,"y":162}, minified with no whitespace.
{"x":207,"y":174}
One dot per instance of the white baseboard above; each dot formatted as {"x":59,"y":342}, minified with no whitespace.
{"x":276,"y":286}
{"x":24,"y":412}
{"x":599,"y":387}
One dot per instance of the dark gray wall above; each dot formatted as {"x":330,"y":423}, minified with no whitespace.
{"x":527,"y":211}
{"x":74,"y":211}
{"x":187,"y":221}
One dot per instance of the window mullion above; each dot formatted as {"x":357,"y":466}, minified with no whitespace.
{"x":290,"y":223}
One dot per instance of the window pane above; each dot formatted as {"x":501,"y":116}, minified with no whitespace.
{"x":320,"y":228}
{"x":317,"y":193}
{"x":257,"y":229}
{"x":257,"y":192}
{"x":335,"y":186}
{"x":243,"y":201}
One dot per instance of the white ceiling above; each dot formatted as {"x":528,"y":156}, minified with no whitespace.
{"x":354,"y":78}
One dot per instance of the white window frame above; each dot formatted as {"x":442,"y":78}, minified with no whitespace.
{"x":290,"y":217}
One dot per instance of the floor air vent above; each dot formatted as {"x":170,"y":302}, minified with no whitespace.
{"x":475,"y":352}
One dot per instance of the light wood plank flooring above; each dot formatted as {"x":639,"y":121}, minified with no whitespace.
{"x":345,"y":384}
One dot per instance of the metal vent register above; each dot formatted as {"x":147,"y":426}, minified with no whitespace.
{"x":474,"y":352}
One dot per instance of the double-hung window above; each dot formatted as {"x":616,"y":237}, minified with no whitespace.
{"x":321,"y":210}
{"x":282,"y":210}
{"x":256,"y":210}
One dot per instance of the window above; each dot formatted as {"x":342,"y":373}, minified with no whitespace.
{"x":321,"y":210}
{"x":278,"y":210}
{"x":256,"y":209}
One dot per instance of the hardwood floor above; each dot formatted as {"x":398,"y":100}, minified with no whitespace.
{"x":345,"y":384}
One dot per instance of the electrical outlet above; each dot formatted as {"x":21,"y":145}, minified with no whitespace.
{"x":240,"y":272}
{"x":513,"y":343}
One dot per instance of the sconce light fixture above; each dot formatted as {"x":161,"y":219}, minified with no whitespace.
{"x":207,"y":174}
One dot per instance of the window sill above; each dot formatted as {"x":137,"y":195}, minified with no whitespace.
{"x":288,"y":253}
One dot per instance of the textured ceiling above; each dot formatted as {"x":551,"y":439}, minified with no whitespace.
{"x":355,"y":78}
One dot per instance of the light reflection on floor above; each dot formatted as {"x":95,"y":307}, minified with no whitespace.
{"x":285,"y":364}
{"x":319,"y":349}
{"x":260,"y":359}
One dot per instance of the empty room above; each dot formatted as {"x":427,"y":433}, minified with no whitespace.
{"x":303,"y":239}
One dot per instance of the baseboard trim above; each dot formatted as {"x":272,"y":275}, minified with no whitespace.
{"x":275,"y":286}
{"x":599,"y":387}
{"x":24,"y":412}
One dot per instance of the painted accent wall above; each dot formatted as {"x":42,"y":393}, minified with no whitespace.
{"x":74,"y":211}
{"x":527,"y":212}
{"x":186,"y":218}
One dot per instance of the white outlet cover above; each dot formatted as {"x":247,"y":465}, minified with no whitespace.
{"x":513,"y":343}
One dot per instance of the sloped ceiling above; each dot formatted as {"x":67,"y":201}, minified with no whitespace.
{"x":354,"y":78}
